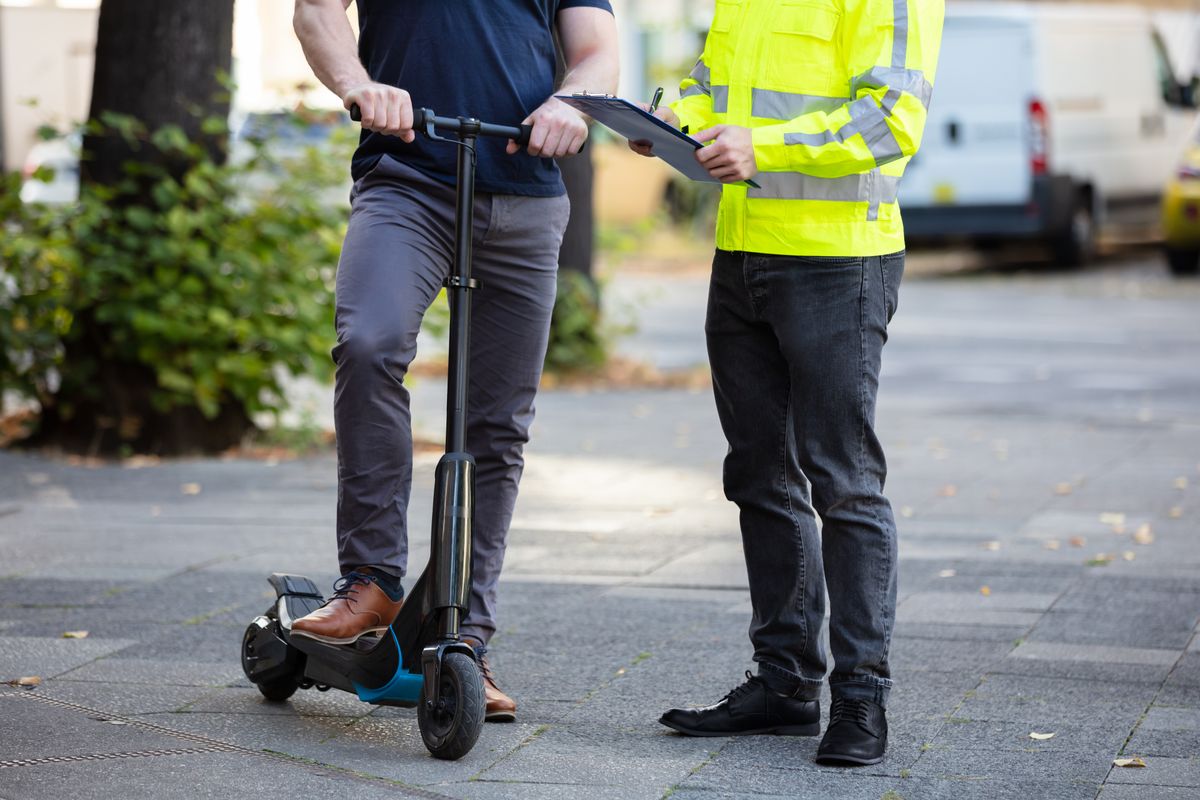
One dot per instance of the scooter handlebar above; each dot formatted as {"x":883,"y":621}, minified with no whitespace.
{"x":424,"y":118}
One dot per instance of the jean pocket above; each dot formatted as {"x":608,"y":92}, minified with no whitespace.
{"x":891,"y":272}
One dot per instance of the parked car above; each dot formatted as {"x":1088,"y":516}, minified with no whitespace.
{"x":1047,"y":122}
{"x":51,"y":171}
{"x":1181,"y":213}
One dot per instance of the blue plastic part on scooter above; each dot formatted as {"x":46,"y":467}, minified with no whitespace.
{"x":404,"y":687}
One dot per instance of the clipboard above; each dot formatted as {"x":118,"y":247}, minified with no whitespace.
{"x":628,"y":120}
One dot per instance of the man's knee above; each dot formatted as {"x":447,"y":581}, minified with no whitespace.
{"x":363,"y":347}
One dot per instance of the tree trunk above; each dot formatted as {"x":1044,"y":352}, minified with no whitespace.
{"x":161,"y":62}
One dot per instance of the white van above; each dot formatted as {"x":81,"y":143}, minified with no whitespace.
{"x":1046,"y":122}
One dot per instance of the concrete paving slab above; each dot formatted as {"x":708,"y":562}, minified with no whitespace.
{"x":205,"y":776}
{"x":1065,"y":651}
{"x":1160,"y":771}
{"x":1120,"y":791}
{"x":45,"y":657}
{"x":158,"y":672}
{"x":1066,"y":766}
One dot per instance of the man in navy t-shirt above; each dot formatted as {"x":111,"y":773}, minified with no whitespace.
{"x":493,"y":60}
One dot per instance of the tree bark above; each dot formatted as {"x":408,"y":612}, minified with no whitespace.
{"x":161,"y":62}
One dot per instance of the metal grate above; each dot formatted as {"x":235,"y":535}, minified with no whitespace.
{"x":33,"y":762}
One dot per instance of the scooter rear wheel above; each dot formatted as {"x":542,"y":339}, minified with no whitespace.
{"x":451,"y":726}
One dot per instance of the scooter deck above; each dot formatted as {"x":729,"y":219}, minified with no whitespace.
{"x":373,"y":667}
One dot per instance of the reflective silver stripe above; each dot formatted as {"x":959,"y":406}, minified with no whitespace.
{"x":822,"y":138}
{"x":889,"y":100}
{"x":789,"y":105}
{"x":899,"y":34}
{"x":873,"y":180}
{"x":720,"y":99}
{"x":872,"y":124}
{"x":693,"y":90}
{"x":868,"y":187}
{"x":867,"y":119}
{"x":910,"y":81}
{"x":701,"y":74}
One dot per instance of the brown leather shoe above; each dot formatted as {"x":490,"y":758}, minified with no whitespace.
{"x":358,"y":607}
{"x":500,"y":707}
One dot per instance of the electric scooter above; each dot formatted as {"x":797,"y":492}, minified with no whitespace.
{"x":420,"y":660}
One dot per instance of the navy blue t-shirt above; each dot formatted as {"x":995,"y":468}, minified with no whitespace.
{"x":490,"y":59}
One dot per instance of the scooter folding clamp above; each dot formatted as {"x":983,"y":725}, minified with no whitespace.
{"x":455,"y":282}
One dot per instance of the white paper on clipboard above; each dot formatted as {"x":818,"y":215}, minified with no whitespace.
{"x":623,"y":117}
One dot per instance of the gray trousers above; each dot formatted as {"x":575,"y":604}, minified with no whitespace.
{"x":399,"y":248}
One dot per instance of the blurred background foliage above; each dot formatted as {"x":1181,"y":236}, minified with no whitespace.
{"x":177,"y":293}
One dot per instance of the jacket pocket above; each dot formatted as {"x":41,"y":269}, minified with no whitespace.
{"x":802,"y":51}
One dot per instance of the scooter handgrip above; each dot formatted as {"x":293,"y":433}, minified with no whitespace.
{"x":355,"y":112}
{"x":526,"y":131}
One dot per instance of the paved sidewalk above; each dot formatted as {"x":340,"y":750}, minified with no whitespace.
{"x":1044,"y":438}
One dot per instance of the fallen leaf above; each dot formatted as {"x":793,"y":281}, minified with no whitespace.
{"x":190,"y":488}
{"x":1180,"y":482}
{"x":1119,"y":530}
{"x":947,"y":573}
{"x":1144,"y":535}
{"x":75,"y":635}
{"x":1062,"y":488}
{"x":1051,"y":544}
{"x":1176,"y":512}
{"x":949,"y":490}
{"x":1077,"y":541}
{"x":991,"y":546}
{"x":1129,"y":555}
{"x":1128,"y":762}
{"x":1112,"y":518}
{"x":1041,"y":737}
{"x":1099,"y":560}
{"x":28,"y":681}
{"x":986,"y":591}
{"x":906,"y":512}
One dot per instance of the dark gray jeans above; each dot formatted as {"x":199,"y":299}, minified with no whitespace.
{"x":399,"y":248}
{"x":795,"y":346}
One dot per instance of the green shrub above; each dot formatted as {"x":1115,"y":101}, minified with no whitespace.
{"x":578,"y":337}
{"x":209,"y":287}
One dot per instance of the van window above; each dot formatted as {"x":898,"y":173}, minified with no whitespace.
{"x":1172,"y":91}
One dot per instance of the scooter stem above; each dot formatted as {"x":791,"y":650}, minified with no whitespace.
{"x":458,"y":288}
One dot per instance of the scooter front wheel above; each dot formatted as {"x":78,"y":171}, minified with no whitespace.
{"x":450,"y":726}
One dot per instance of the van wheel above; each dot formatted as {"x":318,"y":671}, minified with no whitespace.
{"x":1076,"y":246}
{"x":1183,"y":262}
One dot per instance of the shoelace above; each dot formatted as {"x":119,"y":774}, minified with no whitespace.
{"x":752,"y":682}
{"x":849,"y":709}
{"x":485,"y":669}
{"x":343,"y":587}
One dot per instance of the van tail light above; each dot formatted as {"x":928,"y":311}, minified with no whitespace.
{"x":1039,"y":138}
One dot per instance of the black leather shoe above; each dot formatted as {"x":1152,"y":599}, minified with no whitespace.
{"x":857,"y":733}
{"x":749,"y":709}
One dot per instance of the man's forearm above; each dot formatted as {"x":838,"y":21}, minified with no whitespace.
{"x":595,"y":73}
{"x":328,"y":40}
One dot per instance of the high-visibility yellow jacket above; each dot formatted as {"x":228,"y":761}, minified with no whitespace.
{"x":836,"y":92}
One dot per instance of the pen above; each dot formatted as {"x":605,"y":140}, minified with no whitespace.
{"x":657,"y":99}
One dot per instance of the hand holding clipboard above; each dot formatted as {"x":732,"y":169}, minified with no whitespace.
{"x":628,"y":120}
